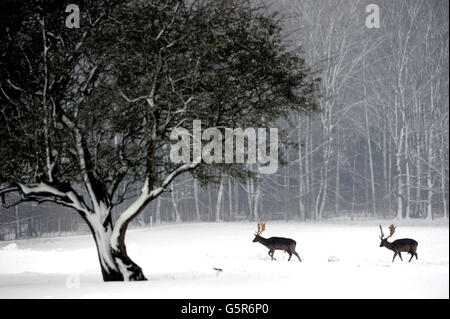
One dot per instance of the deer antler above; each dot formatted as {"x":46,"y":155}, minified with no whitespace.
{"x":261,"y":227}
{"x":392,"y":230}
{"x":382,"y":234}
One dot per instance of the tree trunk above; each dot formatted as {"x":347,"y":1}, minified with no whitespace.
{"x":114,"y":263}
{"x":308,"y":170}
{"x":176,"y":212}
{"x":389,"y":184}
{"x":429,"y":215}
{"x":399,"y":187}
{"x":230,"y":199}
{"x":385,"y":166}
{"x":353,"y":187}
{"x":328,"y":140}
{"x":158,"y":211}
{"x":418,"y":177}
{"x":399,"y":172}
{"x":111,"y":241}
{"x":443,"y":179}
{"x":219,"y":200}
{"x":109,"y":268}
{"x":301,"y":206}
{"x":16,"y":211}
{"x":250,"y":197}
{"x":256,"y":203}
{"x":196,"y":201}
{"x":369,"y":145}
{"x":236,"y":199}
{"x":323,"y":189}
{"x":210,"y":203}
{"x":286,"y":187}
{"x":429,"y":146}
{"x":337,"y":204}
{"x":408,"y":176}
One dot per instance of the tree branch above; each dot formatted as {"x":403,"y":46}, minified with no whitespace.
{"x":82,"y":161}
{"x":139,"y":204}
{"x":46,"y":193}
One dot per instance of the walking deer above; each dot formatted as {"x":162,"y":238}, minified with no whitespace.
{"x":400,"y":245}
{"x":275,"y":243}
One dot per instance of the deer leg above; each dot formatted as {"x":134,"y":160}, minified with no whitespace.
{"x":395,"y":255}
{"x":400,"y":254}
{"x":413,"y":252}
{"x":412,"y":255}
{"x":295,"y":253}
{"x":271,"y":252}
{"x":290,"y":255}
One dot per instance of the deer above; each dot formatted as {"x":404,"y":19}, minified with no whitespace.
{"x":400,"y":245}
{"x":275,"y":243}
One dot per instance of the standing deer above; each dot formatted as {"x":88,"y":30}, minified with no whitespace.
{"x":275,"y":243}
{"x":400,"y":245}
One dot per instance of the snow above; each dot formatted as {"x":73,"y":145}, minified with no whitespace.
{"x":12,"y":246}
{"x":341,"y":259}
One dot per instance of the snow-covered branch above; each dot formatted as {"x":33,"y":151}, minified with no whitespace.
{"x":43,"y":192}
{"x":141,"y":202}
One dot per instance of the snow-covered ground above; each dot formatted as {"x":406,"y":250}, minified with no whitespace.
{"x":178,"y":260}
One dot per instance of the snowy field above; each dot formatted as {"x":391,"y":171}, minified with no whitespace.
{"x":178,"y":260}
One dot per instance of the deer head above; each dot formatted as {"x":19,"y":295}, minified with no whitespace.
{"x":261,"y":227}
{"x":384,"y":241}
